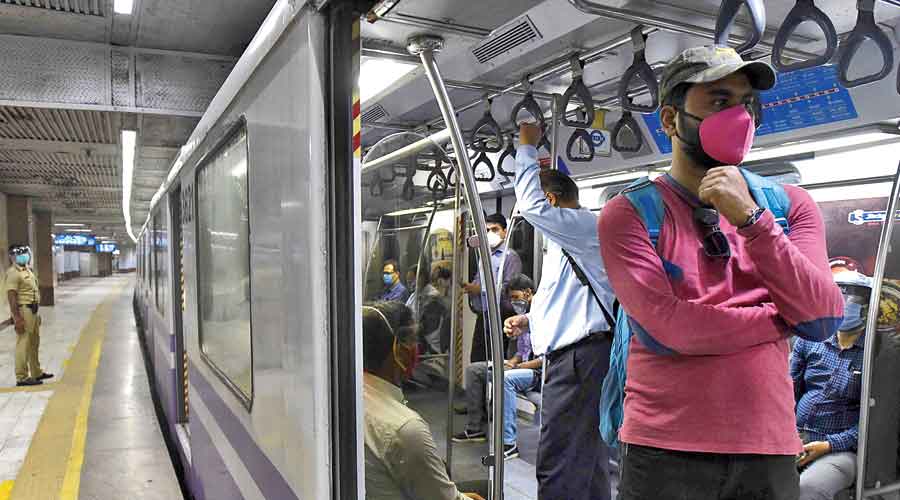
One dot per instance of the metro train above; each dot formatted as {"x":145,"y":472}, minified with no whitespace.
{"x":352,"y":133}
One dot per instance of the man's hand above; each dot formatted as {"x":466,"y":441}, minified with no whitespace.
{"x":472,"y":288}
{"x":20,"y":324}
{"x":515,"y":326}
{"x":474,"y":496}
{"x":725,"y":189}
{"x":529,"y":134}
{"x":813,"y":451}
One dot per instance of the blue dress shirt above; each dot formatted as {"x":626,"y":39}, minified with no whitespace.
{"x":563,"y":310}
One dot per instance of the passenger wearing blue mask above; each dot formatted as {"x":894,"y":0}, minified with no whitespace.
{"x":393,"y":287}
{"x":827,"y":380}
{"x":23,"y":295}
{"x":521,"y":374}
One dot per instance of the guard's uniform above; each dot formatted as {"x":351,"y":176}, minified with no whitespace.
{"x":23,"y":281}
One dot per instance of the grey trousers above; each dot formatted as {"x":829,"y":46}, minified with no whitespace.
{"x":827,"y":476}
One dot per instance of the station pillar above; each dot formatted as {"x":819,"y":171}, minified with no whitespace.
{"x":43,"y":256}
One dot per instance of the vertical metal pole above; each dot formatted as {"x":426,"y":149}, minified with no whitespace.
{"x":465,"y":175}
{"x":455,"y":305}
{"x":554,"y":131}
{"x":866,"y":402}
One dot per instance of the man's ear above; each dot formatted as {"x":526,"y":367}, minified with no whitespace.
{"x":667,"y":118}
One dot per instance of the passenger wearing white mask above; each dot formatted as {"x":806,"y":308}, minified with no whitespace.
{"x":496,"y":227}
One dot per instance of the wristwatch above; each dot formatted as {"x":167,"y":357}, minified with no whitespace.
{"x":753,"y":218}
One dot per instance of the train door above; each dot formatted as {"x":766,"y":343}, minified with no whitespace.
{"x":178,"y":305}
{"x":878,"y":379}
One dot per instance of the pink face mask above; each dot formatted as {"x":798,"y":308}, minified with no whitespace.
{"x":723,"y":138}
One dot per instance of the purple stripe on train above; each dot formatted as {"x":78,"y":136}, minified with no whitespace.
{"x":270,"y":482}
{"x":211,"y":479}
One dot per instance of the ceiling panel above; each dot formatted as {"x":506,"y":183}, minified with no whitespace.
{"x":87,"y":7}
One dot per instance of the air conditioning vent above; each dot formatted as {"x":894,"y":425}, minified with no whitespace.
{"x":506,"y":38}
{"x":85,"y":7}
{"x":374,"y":113}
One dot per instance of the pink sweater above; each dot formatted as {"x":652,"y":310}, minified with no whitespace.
{"x":708,"y":363}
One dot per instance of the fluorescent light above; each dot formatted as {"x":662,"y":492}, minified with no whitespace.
{"x":410,"y":211}
{"x":123,"y":7}
{"x":79,"y":230}
{"x":375,"y":75}
{"x":812,"y":145}
{"x":129,"y":140}
{"x":65,"y":224}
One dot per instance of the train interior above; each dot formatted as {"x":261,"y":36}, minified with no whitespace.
{"x":830,"y":125}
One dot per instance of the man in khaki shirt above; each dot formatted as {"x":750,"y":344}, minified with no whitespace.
{"x":23,"y":295}
{"x":401,"y":457}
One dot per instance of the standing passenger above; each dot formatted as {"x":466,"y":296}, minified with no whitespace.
{"x":496,"y":227}
{"x":393,"y":287}
{"x":568,"y":327}
{"x":708,"y":400}
{"x":23,"y":295}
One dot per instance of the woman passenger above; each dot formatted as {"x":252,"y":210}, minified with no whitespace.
{"x":401,"y":456}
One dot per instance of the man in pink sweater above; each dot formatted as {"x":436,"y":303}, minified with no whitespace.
{"x":709,"y":404}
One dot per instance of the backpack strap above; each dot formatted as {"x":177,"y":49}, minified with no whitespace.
{"x":645,"y":198}
{"x":584,"y":282}
{"x":771,"y":196}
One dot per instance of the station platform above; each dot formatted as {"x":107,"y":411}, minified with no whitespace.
{"x":91,"y":432}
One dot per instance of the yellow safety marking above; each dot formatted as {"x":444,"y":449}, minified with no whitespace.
{"x":6,"y":489}
{"x":52,"y":468}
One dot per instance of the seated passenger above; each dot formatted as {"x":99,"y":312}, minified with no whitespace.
{"x":415,"y":297}
{"x":435,"y":310}
{"x":393,"y":287}
{"x":827,"y":380}
{"x":522,"y":374}
{"x":401,"y":456}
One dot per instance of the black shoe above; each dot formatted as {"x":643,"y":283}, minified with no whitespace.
{"x":460,"y":409}
{"x":510,"y":451}
{"x":468,"y":436}
{"x":44,"y":376}
{"x":27,"y":382}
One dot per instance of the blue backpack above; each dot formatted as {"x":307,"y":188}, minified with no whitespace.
{"x":645,"y":198}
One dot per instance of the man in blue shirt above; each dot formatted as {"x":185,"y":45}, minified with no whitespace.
{"x":522,"y":374}
{"x":827,"y":380}
{"x":393,"y":287}
{"x":569,"y":327}
{"x":496,"y":227}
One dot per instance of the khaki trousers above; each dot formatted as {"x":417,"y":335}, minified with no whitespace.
{"x":27,"y":345}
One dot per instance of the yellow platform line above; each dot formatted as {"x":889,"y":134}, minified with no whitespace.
{"x":6,"y":489}
{"x":52,"y":468}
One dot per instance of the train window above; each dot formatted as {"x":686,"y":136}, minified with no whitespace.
{"x":161,"y":246}
{"x":223,"y":264}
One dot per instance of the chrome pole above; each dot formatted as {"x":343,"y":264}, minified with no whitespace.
{"x":554,"y":131}
{"x":425,"y":46}
{"x":866,"y":401}
{"x":433,"y":140}
{"x":454,"y":315}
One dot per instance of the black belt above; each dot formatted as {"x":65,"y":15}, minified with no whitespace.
{"x":591,"y":337}
{"x":33,"y":306}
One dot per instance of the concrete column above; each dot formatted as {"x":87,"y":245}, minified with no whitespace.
{"x":4,"y":239}
{"x":43,"y":256}
{"x":18,"y":220}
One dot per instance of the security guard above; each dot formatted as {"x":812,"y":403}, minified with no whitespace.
{"x":24,"y":295}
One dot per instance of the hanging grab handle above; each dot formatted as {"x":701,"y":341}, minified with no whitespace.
{"x":865,"y":28}
{"x":483,"y":158}
{"x":409,"y":190}
{"x":437,"y":182}
{"x":640,"y":69}
{"x":488,"y":123}
{"x":627,"y":122}
{"x":727,"y":15}
{"x":584,"y":95}
{"x":376,"y":188}
{"x":582,"y":134}
{"x":545,"y":143}
{"x":528,"y":104}
{"x":509,"y":151}
{"x":804,"y":10}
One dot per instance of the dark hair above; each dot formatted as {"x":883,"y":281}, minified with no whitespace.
{"x":497,"y":218}
{"x":560,"y":184}
{"x":391,"y":262}
{"x":677,"y":96}
{"x":441,"y":272}
{"x":521,"y":282}
{"x":17,"y":248}
{"x":377,"y":337}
